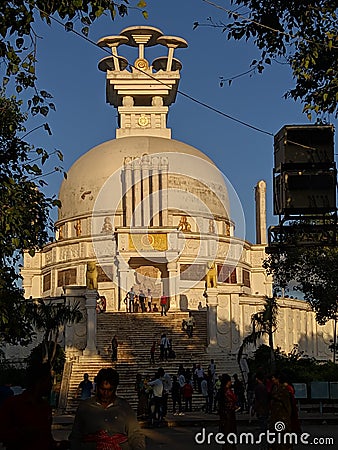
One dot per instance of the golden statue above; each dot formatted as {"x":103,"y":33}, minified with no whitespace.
{"x":60,"y":230}
{"x":211,"y":276}
{"x":77,"y":227}
{"x":91,"y":275}
{"x":184,"y":225}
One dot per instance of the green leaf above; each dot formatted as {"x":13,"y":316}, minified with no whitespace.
{"x":57,"y":203}
{"x":141,"y":4}
{"x":44,"y":110}
{"x":85,"y":31}
{"x":69,"y":26}
{"x":45,"y":94}
{"x":16,"y":242}
{"x":59,"y":155}
{"x":145,"y":14}
{"x":19,"y":42}
{"x":99,"y":11}
{"x":86,"y":20}
{"x":47,"y":128}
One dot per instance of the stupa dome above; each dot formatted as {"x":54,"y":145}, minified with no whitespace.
{"x":89,"y":174}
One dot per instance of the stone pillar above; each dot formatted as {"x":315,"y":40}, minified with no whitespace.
{"x":137,"y":213}
{"x":91,"y":297}
{"x":123,"y":271}
{"x":173,"y":293}
{"x":260,"y":197}
{"x":164,"y":192}
{"x":155,"y":194}
{"x":146,"y":192}
{"x":128,"y":193}
{"x":75,"y":334}
{"x":212,"y":302}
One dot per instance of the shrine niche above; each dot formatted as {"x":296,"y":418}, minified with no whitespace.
{"x":104,"y":274}
{"x":47,"y":282}
{"x":192,"y":272}
{"x":148,"y":277}
{"x":66,"y":277}
{"x":184,"y":225}
{"x":226,"y":274}
{"x":78,"y":228}
{"x":107,"y":226}
{"x":212,"y":229}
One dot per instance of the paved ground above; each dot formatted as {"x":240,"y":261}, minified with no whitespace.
{"x":183,"y":438}
{"x":180,"y":432}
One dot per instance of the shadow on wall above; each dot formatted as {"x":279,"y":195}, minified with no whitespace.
{"x":183,"y":302}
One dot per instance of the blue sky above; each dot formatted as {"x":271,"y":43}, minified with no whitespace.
{"x":68,"y":69}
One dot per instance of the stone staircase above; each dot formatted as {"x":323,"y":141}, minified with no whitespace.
{"x":136,"y":333}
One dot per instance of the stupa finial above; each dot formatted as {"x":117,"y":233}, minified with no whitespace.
{"x":140,"y":91}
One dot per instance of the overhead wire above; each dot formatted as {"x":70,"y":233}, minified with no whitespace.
{"x":193,"y":99}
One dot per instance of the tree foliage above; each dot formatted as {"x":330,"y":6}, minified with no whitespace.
{"x":303,"y":34}
{"x":264,"y":323}
{"x":24,"y":219}
{"x":296,"y":365}
{"x":315,"y":271}
{"x":18,"y":38}
{"x":25,"y":210}
{"x":48,"y":317}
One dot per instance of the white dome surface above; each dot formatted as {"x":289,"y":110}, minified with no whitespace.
{"x":88,"y":175}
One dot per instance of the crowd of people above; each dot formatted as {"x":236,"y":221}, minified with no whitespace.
{"x":270,"y":398}
{"x":153,"y":393}
{"x":143,"y":302}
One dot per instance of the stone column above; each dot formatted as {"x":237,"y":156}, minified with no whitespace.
{"x":123,"y":272}
{"x":164,"y":192}
{"x":173,"y":271}
{"x":212,"y":302}
{"x":91,"y":297}
{"x":128,"y":193}
{"x":75,"y":334}
{"x":260,"y":197}
{"x":155,"y":193}
{"x":146,"y":192}
{"x":137,"y":213}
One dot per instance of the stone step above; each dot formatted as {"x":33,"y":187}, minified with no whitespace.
{"x":136,"y":332}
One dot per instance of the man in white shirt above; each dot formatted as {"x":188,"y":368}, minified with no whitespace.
{"x":131,"y":299}
{"x":164,"y":345}
{"x":199,"y":372}
{"x":156,"y":406}
{"x":204,"y":390}
{"x":167,"y":386}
